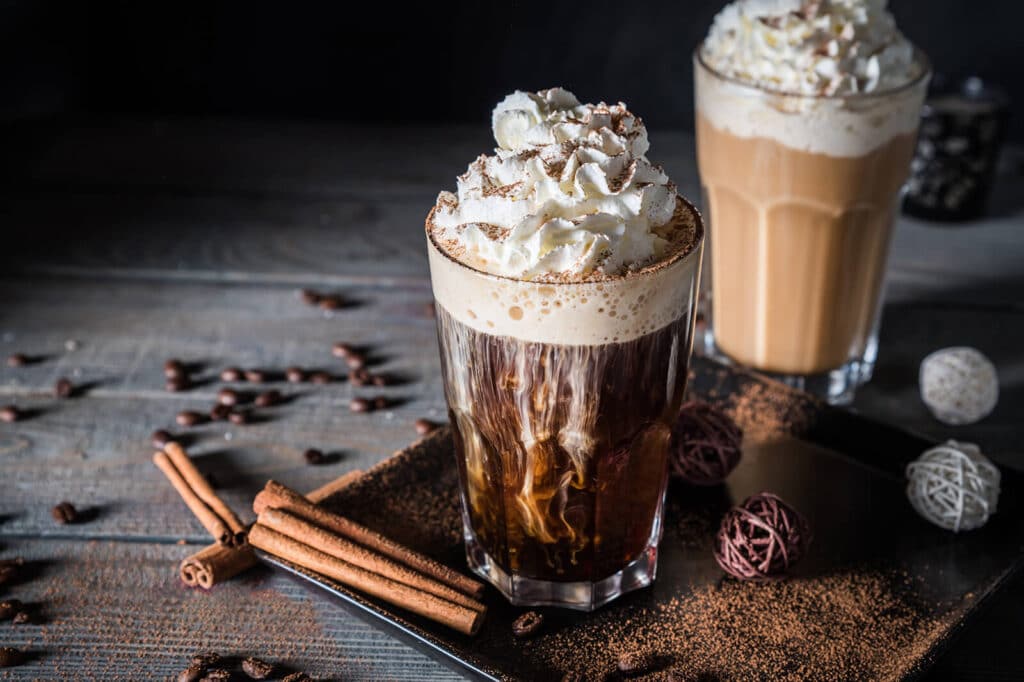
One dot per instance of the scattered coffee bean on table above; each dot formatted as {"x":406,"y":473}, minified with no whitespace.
{"x":64,"y":512}
{"x":9,"y":569}
{"x":9,"y":608}
{"x":355,"y":361}
{"x":193,"y":673}
{"x":320,"y":377}
{"x":341,"y":350}
{"x":424,"y":426}
{"x":527,"y":624}
{"x":217,"y":675}
{"x":268,"y":398}
{"x":9,"y":413}
{"x":174,"y":369}
{"x":573,"y":676}
{"x":298,"y":677}
{"x":226,"y":396}
{"x":17,"y":360}
{"x":255,"y":376}
{"x":314,"y":456}
{"x":380,"y":403}
{"x":160,"y":438}
{"x":22,"y":618}
{"x":256,"y":668}
{"x":9,"y":657}
{"x":188,"y":418}
{"x":207,"y":659}
{"x":177,"y":384}
{"x":331,"y":302}
{"x":309,"y":297}
{"x":360,"y":377}
{"x":380,"y":379}
{"x":295,"y":375}
{"x":231,"y":374}
{"x":63,"y":388}
{"x":220,"y":412}
{"x":239,"y":417}
{"x":360,"y":405}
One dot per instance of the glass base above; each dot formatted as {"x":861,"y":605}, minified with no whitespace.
{"x":837,"y":386}
{"x":582,"y":596}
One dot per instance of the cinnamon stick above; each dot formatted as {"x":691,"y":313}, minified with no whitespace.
{"x":456,"y":616}
{"x":277,"y":496}
{"x":327,"y":489}
{"x":215,"y":563}
{"x":211,"y":522}
{"x":187,"y":468}
{"x":330,"y":543}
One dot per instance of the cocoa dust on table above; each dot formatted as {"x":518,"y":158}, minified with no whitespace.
{"x":855,"y":625}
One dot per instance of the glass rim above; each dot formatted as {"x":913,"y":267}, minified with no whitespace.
{"x":647,"y":271}
{"x":919,"y":56}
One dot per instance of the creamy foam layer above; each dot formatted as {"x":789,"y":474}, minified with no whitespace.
{"x":836,"y":126}
{"x":811,"y":47}
{"x":568,"y":195}
{"x":572,"y":313}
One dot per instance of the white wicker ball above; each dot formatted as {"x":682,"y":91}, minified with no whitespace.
{"x":959,"y":385}
{"x":954,"y":486}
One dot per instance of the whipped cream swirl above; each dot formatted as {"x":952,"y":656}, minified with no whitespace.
{"x":568,"y":194}
{"x":811,"y":47}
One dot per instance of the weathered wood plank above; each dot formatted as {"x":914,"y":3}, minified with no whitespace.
{"x":116,"y":611}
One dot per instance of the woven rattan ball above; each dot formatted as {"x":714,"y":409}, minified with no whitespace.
{"x":761,"y":539}
{"x":954,"y":486}
{"x":706,"y":444}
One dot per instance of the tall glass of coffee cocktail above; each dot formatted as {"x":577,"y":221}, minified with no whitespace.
{"x":565,"y":271}
{"x":807,"y":112}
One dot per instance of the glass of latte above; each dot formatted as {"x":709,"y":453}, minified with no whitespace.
{"x":807,"y":113}
{"x":565,"y":273}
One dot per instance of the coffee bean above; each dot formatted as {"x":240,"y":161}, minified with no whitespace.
{"x":9,"y":569}
{"x":424,"y":426}
{"x":193,"y":673}
{"x":207,"y":659}
{"x":9,"y":608}
{"x":188,"y":418}
{"x":256,"y":668}
{"x":573,"y":676}
{"x":226,"y":396}
{"x":321,"y":377}
{"x":217,"y":675}
{"x":380,"y":379}
{"x":360,"y":405}
{"x":298,"y":677}
{"x":174,"y":369}
{"x":380,"y":403}
{"x":17,"y":360}
{"x":64,"y":512}
{"x":9,"y":657}
{"x":341,"y":350}
{"x":355,"y":361}
{"x":255,"y":376}
{"x":239,"y":417}
{"x":527,"y":624}
{"x":295,"y":375}
{"x":309,"y":297}
{"x":22,"y":618}
{"x":331,"y":302}
{"x":360,"y":377}
{"x":63,"y":388}
{"x":268,"y":398}
{"x":231,"y":374}
{"x":219,"y":413}
{"x":9,"y":413}
{"x":314,"y":456}
{"x":160,"y":438}
{"x":636,"y":663}
{"x":177,"y":384}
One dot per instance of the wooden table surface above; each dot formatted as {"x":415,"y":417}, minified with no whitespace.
{"x":128,"y":242}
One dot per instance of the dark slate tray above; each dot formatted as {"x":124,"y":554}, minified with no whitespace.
{"x":904,"y":587}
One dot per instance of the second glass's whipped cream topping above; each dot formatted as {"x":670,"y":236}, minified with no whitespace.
{"x":811,"y":47}
{"x":567,"y":194}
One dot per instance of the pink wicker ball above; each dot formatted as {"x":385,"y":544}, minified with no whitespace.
{"x":706,"y":444}
{"x":761,"y":539}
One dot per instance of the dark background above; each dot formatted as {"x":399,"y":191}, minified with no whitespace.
{"x":425,"y":62}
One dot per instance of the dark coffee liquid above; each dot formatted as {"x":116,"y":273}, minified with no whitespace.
{"x":562,"y":450}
